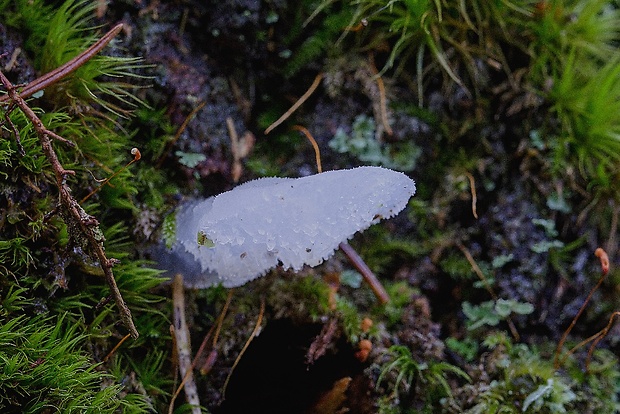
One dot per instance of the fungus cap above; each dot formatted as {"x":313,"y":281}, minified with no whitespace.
{"x":239,"y":235}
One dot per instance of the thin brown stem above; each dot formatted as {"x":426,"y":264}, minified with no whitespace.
{"x":136,"y":156}
{"x":366,"y":273}
{"x":557,"y":362}
{"x":71,"y":66}
{"x":118,"y":345}
{"x":382,"y":97}
{"x":297,"y":104}
{"x":474,"y":198}
{"x":317,"y":151}
{"x":254,"y":333}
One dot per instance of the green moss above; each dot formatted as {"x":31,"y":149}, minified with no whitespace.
{"x":56,"y":35}
{"x":401,"y":294}
{"x":44,"y":366}
{"x":301,"y":298}
{"x":319,"y":38}
{"x":39,"y":254}
{"x":429,"y":378}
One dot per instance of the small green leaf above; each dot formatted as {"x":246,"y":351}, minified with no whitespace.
{"x":351,"y":278}
{"x":189,"y":159}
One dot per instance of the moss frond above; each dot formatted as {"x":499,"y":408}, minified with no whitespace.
{"x":43,"y":368}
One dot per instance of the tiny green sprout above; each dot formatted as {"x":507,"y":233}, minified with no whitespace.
{"x":430,"y":375}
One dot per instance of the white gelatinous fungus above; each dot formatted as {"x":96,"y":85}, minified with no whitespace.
{"x":239,"y":235}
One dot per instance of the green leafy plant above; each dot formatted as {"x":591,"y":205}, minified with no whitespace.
{"x":492,"y":313}
{"x":363,"y":144}
{"x":455,"y":35}
{"x":523,"y":382}
{"x":575,"y":54}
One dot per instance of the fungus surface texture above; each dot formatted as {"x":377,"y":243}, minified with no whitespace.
{"x":239,"y":235}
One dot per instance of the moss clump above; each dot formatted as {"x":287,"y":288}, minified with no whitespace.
{"x":57,"y":334}
{"x":44,"y":366}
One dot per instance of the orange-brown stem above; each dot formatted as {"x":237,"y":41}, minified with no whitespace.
{"x":317,"y":151}
{"x":557,"y":362}
{"x":366,"y":273}
{"x":297,"y":104}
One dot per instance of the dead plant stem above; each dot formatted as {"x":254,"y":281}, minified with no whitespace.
{"x":71,"y":66}
{"x":71,"y":211}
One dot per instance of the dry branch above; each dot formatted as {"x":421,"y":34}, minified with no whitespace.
{"x":82,"y":225}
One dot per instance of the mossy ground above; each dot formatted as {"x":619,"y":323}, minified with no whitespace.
{"x":518,"y":99}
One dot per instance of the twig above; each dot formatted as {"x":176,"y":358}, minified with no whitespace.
{"x":297,"y":104}
{"x":557,"y":362}
{"x":184,"y":352}
{"x":63,"y":71}
{"x":382,"y":99}
{"x":73,"y":214}
{"x":254,"y":333}
{"x":474,"y":198}
{"x":317,"y":152}
{"x":368,"y":275}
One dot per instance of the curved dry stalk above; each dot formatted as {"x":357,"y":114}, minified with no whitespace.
{"x":382,"y":98}
{"x":317,"y":151}
{"x":595,"y":339}
{"x":557,"y":361}
{"x":474,"y":198}
{"x":118,"y":345}
{"x":296,"y":105}
{"x":254,"y":333}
